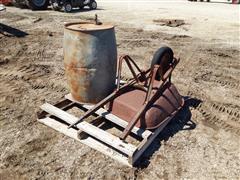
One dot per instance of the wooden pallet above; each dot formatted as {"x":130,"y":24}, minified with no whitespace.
{"x":97,"y":138}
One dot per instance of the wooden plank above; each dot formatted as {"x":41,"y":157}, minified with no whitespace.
{"x":146,"y":142}
{"x":61,"y":104}
{"x":89,"y":141}
{"x":104,"y":113}
{"x":96,"y":132}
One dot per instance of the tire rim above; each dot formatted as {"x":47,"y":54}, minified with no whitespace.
{"x":68,"y":7}
{"x":94,"y":5}
{"x":39,"y":3}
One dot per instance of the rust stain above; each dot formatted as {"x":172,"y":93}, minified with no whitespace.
{"x":87,"y":56}
{"x":128,"y":104}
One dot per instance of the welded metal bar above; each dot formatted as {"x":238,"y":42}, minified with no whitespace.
{"x":134,"y":63}
{"x":119,"y":72}
{"x":153,"y":75}
{"x":100,"y":104}
{"x":127,"y":59}
{"x":95,"y":108}
{"x":128,"y":129}
{"x":170,"y":70}
{"x":130,"y":125}
{"x":132,"y":70}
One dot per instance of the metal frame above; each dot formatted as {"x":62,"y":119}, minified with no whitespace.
{"x":140,"y":79}
{"x":99,"y":139}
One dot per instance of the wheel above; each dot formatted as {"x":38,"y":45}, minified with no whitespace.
{"x":67,"y":7}
{"x":93,"y":5}
{"x":163,"y":57}
{"x":38,"y":4}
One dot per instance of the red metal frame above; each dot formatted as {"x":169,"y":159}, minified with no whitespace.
{"x":143,"y":80}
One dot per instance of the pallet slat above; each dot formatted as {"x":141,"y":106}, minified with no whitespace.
{"x":94,"y":131}
{"x":89,"y":141}
{"x":147,"y":142}
{"x":104,"y":113}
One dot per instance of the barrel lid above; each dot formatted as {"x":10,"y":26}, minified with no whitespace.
{"x":87,"y":26}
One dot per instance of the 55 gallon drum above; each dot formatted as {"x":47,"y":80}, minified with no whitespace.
{"x":90,"y":60}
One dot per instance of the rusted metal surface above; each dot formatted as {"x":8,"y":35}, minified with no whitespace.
{"x":128,"y":105}
{"x":160,"y":64}
{"x":90,"y":60}
{"x":148,"y":99}
{"x":102,"y":103}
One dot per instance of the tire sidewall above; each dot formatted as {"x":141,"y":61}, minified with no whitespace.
{"x":67,"y":7}
{"x":33,"y":6}
{"x":159,"y":54}
{"x":93,"y":5}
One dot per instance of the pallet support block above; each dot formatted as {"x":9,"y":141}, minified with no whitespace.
{"x":99,"y":139}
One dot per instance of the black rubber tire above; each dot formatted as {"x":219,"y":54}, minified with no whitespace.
{"x":158,"y":58}
{"x":33,"y":6}
{"x":93,"y":5}
{"x":66,"y":7}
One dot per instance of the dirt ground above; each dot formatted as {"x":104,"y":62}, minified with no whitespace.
{"x":202,"y":142}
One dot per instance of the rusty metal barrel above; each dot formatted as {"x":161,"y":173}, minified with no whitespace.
{"x":90,"y":60}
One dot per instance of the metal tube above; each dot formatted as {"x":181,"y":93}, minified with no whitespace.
{"x":133,"y":122}
{"x":100,"y":104}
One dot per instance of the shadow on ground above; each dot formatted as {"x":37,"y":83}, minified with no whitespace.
{"x":10,"y":31}
{"x":181,"y":122}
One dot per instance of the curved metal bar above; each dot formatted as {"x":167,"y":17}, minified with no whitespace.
{"x":150,"y":86}
{"x":153,"y":72}
{"x":128,"y":60}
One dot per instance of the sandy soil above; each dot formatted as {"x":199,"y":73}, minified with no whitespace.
{"x":202,"y":142}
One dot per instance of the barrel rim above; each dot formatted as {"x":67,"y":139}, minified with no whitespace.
{"x":105,"y":26}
